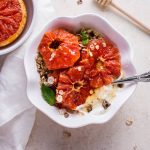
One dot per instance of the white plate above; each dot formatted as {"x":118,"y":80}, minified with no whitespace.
{"x":33,"y":87}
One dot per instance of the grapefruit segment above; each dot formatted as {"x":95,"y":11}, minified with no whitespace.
{"x":59,"y":49}
{"x":13,"y":16}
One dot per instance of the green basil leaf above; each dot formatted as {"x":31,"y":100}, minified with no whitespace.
{"x":85,"y":41}
{"x":83,"y":35}
{"x":84,"y":38}
{"x":48,"y":94}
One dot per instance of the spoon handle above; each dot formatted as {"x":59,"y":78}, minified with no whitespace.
{"x":136,"y":22}
{"x":145,"y":77}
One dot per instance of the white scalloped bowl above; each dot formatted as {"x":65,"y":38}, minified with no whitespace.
{"x":74,"y":23}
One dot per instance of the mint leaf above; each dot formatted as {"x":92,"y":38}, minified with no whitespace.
{"x":85,"y":41}
{"x":84,"y":38}
{"x":48,"y":94}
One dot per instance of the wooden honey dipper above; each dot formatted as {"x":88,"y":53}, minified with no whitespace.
{"x":105,"y":3}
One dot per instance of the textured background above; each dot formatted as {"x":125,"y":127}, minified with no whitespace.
{"x":114,"y":135}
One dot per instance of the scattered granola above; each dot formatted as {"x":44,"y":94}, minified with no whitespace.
{"x":129,"y":121}
{"x":42,"y":69}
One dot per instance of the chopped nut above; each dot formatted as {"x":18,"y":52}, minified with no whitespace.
{"x":38,"y":66}
{"x":120,"y":85}
{"x":41,"y":73}
{"x":66,"y":134}
{"x":129,"y":121}
{"x":46,"y":83}
{"x":89,"y":108}
{"x":91,"y":33}
{"x":42,"y":69}
{"x":66,"y":115}
{"x":43,"y":79}
{"x":105,"y":104}
{"x":45,"y":68}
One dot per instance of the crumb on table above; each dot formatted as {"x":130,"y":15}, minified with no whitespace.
{"x":135,"y":147}
{"x":79,"y":2}
{"x":129,"y":121}
{"x":66,"y":134}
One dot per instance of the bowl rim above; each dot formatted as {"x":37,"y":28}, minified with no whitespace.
{"x":25,"y":37}
{"x":93,"y":120}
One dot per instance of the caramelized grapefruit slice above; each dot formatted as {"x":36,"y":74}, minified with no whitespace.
{"x":107,"y":65}
{"x":59,"y":49}
{"x":12,"y":20}
{"x":72,"y":89}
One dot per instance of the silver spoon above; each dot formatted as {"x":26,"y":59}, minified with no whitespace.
{"x":145,"y":77}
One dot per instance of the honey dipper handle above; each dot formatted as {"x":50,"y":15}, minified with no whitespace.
{"x":136,"y":22}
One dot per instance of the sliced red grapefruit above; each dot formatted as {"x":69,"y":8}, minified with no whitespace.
{"x":13,"y":17}
{"x":60,"y":49}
